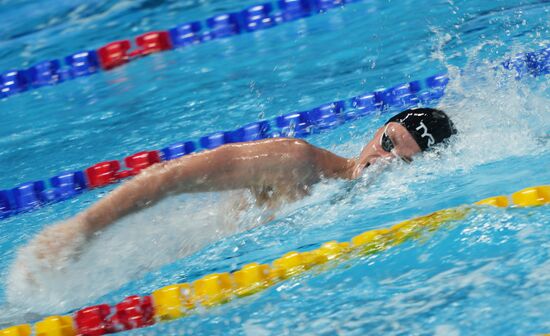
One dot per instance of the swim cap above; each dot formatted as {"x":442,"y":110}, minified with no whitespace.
{"x":428,"y":126}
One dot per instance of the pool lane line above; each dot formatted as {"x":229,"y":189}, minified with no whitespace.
{"x":30,"y":196}
{"x":180,"y":300}
{"x":118,"y":53}
{"x":251,"y":19}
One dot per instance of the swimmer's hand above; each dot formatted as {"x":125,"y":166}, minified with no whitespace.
{"x":58,"y":244}
{"x":49,"y":253}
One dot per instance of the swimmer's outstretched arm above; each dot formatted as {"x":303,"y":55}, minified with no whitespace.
{"x":282,"y":163}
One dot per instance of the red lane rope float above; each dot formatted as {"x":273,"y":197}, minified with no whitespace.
{"x":114,"y":54}
{"x":178,"y":300}
{"x":118,"y":53}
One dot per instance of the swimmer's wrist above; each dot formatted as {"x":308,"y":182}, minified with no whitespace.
{"x":85,"y":226}
{"x":94,"y":221}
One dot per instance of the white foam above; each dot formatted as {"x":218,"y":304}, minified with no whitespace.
{"x":141,"y":242}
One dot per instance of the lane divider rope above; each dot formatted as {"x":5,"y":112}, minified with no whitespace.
{"x":179,"y":300}
{"x":118,"y":53}
{"x":251,"y":19}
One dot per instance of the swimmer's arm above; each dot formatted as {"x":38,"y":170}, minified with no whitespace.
{"x":234,"y":166}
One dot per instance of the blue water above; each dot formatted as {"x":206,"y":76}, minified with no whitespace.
{"x":487,"y":274}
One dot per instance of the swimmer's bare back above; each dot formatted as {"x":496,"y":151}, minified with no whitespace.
{"x":274,"y":170}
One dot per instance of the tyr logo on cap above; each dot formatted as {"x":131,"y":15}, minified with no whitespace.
{"x":425,"y":133}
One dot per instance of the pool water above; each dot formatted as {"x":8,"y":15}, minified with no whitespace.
{"x":487,"y":274}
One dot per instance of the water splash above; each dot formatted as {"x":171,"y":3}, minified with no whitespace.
{"x":176,"y":227}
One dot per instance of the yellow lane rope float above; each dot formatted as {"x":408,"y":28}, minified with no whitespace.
{"x":178,"y":300}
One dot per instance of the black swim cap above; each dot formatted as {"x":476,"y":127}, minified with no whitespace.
{"x":428,"y":126}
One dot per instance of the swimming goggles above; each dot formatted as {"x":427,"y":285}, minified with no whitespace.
{"x":387,"y":145}
{"x":385,"y":142}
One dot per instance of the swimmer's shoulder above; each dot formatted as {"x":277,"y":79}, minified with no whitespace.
{"x":287,"y":147}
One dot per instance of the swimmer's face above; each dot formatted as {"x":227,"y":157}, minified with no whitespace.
{"x":390,"y":141}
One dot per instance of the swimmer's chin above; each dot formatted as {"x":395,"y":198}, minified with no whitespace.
{"x":359,"y":171}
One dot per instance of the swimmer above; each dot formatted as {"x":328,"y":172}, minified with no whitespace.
{"x":275,"y":170}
